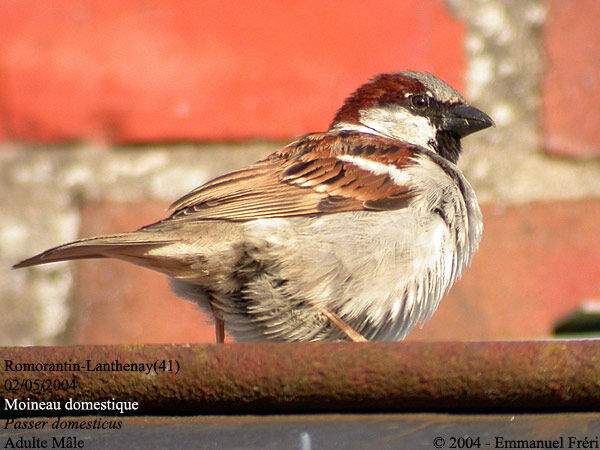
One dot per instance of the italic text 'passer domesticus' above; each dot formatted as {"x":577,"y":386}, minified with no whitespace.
{"x":355,"y":233}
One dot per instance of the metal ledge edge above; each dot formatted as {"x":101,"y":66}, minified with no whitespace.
{"x":267,"y":378}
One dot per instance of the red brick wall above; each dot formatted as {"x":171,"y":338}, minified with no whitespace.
{"x":136,"y":71}
{"x":571,"y":89}
{"x":140,"y":71}
{"x":529,"y":272}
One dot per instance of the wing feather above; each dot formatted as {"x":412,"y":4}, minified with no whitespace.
{"x":306,"y":177}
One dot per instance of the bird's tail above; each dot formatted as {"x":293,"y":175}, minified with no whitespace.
{"x":121,"y":246}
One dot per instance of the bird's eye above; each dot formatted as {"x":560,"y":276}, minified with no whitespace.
{"x":419,"y":101}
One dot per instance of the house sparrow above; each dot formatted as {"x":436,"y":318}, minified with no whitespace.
{"x":355,"y":233}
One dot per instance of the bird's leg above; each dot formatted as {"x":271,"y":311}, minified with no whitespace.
{"x":354,"y":335}
{"x":219,"y":325}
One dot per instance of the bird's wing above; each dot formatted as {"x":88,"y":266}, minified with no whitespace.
{"x":320,"y":173}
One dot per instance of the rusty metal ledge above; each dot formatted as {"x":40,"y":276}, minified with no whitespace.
{"x":308,"y":378}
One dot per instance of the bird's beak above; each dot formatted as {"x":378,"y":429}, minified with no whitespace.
{"x":465,"y":119}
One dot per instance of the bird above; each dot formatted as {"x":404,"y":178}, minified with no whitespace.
{"x":352,"y":234}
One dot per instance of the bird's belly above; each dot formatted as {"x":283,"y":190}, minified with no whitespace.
{"x":406,"y":282}
{"x":381,"y":273}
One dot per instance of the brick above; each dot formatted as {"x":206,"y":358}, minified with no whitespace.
{"x":170,"y":71}
{"x":119,"y":303}
{"x":535,"y":265}
{"x":571,"y":86}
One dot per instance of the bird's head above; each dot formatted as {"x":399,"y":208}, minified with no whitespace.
{"x":412,"y":107}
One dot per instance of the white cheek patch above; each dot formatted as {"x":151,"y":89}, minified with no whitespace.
{"x":399,"y":123}
{"x":398,"y":176}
